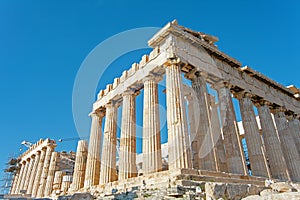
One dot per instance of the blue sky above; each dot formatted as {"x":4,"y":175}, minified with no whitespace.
{"x":43,"y":43}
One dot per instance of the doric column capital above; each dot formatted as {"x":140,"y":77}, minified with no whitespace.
{"x":239,"y":95}
{"x":44,"y":149}
{"x":191,"y":74}
{"x":290,"y":117}
{"x":93,"y":114}
{"x":243,"y":94}
{"x":131,"y":91}
{"x":278,"y":109}
{"x":50,"y":145}
{"x":195,"y":73}
{"x":111,"y":104}
{"x":278,"y":112}
{"x":152,"y":77}
{"x":261,"y":102}
{"x":221,"y":84}
{"x":172,"y":62}
{"x":201,"y":73}
{"x":248,"y":95}
{"x":97,"y":113}
{"x":296,"y":116}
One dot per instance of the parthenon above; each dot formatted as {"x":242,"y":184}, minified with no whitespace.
{"x":204,"y":139}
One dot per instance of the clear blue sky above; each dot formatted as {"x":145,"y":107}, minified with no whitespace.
{"x":43,"y":43}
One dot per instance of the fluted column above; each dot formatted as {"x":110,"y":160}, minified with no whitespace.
{"x":178,"y":140}
{"x":93,"y":159}
{"x":80,"y":165}
{"x":33,"y":173}
{"x":127,"y":157}
{"x":66,"y":183}
{"x":58,"y":181}
{"x":252,"y":136}
{"x":45,"y":171}
{"x":288,"y":146}
{"x":217,"y":137}
{"x":274,"y":152}
{"x":108,"y":171}
{"x":193,"y":126}
{"x":29,"y":172}
{"x":295,"y":128}
{"x":234,"y":153}
{"x":205,"y":152}
{"x":14,"y":185}
{"x":52,"y":169}
{"x":36,"y":182}
{"x":21,"y":174}
{"x":152,"y":159}
{"x":22,"y":183}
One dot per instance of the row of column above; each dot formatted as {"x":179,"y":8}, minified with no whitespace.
{"x":277,"y":158}
{"x":127,"y":156}
{"x":222,"y":149}
{"x":33,"y":174}
{"x":178,"y":138}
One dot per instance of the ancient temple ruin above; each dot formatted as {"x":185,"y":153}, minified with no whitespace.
{"x":204,"y":141}
{"x":43,"y":171}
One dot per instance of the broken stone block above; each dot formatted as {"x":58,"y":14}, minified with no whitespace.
{"x":281,"y":187}
{"x":215,"y":190}
{"x":236,"y":191}
{"x":267,"y":192}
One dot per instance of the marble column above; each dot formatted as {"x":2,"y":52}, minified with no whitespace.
{"x":44,"y":174}
{"x":66,"y":183}
{"x":193,"y":126}
{"x":152,"y":159}
{"x":93,"y":159}
{"x":80,"y":165}
{"x":52,"y":169}
{"x":36,"y":182}
{"x":274,"y":152}
{"x":34,"y":172}
{"x":26,"y":166}
{"x":205,"y":152}
{"x":295,"y":128}
{"x":14,"y":185}
{"x":58,"y":181}
{"x":21,"y":174}
{"x":217,"y":136}
{"x":108,"y":171}
{"x":178,"y":140}
{"x":29,"y":173}
{"x":127,"y":157}
{"x":252,"y":136}
{"x":234,"y":153}
{"x":288,"y":146}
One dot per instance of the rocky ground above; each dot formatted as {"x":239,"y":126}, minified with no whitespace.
{"x":205,"y":191}
{"x":278,"y":191}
